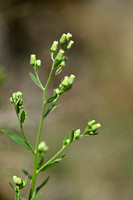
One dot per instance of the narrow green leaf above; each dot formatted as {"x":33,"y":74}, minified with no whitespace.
{"x":36,"y":196}
{"x":23,"y":117}
{"x":72,"y":136}
{"x":42,"y":185}
{"x":35,"y":80}
{"x":25,"y":172}
{"x":51,"y":164}
{"x":51,"y":99}
{"x":16,"y":138}
{"x":51,"y":109}
{"x":57,"y":63}
{"x":26,"y":179}
{"x":58,"y":71}
{"x":11,"y":186}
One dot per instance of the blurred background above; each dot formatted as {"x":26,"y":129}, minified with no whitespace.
{"x":98,"y":167}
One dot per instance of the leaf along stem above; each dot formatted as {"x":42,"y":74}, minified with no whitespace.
{"x":21,"y":126}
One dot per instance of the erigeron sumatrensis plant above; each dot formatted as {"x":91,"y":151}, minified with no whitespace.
{"x":57,"y":52}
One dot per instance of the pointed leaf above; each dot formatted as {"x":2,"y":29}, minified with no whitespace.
{"x":58,"y":71}
{"x":25,"y":172}
{"x":16,"y":138}
{"x":35,"y":80}
{"x":42,"y":185}
{"x":23,"y":117}
{"x":72,"y":136}
{"x":26,"y":179}
{"x":36,"y":196}
{"x":11,"y":186}
{"x":51,"y":99}
{"x":51,"y":164}
{"x":51,"y":109}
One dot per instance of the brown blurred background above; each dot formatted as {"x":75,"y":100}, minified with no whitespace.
{"x":98,"y":167}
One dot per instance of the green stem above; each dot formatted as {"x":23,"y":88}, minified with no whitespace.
{"x":17,"y":196}
{"x":53,"y":158}
{"x":39,"y":135}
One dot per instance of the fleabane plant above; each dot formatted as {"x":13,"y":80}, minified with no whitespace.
{"x":57,"y":52}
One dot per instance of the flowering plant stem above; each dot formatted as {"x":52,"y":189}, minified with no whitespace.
{"x":39,"y":134}
{"x":58,"y":63}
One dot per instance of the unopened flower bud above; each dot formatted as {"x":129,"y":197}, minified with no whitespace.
{"x":63,"y":39}
{"x":65,"y":81}
{"x":69,"y":45}
{"x":18,"y":181}
{"x":91,"y":133}
{"x":68,"y":36}
{"x":11,"y":100}
{"x":71,"y":79}
{"x":15,"y":179}
{"x":19,"y":94}
{"x":33,"y":59}
{"x":54,"y":46}
{"x":63,"y":63}
{"x":95,"y":127}
{"x":67,"y":141}
{"x":38,"y":63}
{"x":77,"y":134}
{"x":90,"y":123}
{"x":56,"y":91}
{"x":42,"y":147}
{"x":59,"y":55}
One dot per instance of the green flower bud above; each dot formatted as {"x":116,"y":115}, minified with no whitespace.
{"x":69,"y":45}
{"x":90,"y":123}
{"x":95,"y":127}
{"x":11,"y":100}
{"x":63,"y":63}
{"x":68,"y":36}
{"x":67,"y":141}
{"x":33,"y":59}
{"x":15,"y":179}
{"x":65,"y":81}
{"x":77,"y":134}
{"x":54,"y":46}
{"x":19,"y":94}
{"x":59,"y":55}
{"x":42,"y":147}
{"x":71,"y":79}
{"x":38,"y":63}
{"x":63,"y":39}
{"x":56,"y":91}
{"x":18,"y":181}
{"x":91,"y":133}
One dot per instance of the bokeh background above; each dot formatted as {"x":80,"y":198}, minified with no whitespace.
{"x":98,"y":167}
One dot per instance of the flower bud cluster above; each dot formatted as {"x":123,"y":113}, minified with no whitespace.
{"x":42,"y":147}
{"x":16,"y":98}
{"x":92,"y":128}
{"x":35,"y":63}
{"x":65,"y":44}
{"x":65,"y":85}
{"x":20,"y":183}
